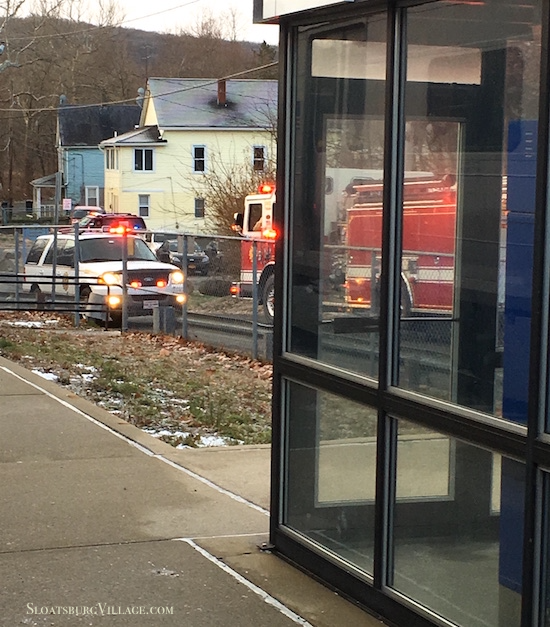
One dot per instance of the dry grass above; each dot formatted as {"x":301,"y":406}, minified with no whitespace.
{"x":183,"y":392}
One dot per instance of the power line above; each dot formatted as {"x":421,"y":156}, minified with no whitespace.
{"x":132,"y":100}
{"x":100,"y":27}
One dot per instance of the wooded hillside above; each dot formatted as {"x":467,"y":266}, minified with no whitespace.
{"x":43,"y":58}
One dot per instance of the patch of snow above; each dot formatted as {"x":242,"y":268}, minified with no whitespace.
{"x":31,"y":324}
{"x":46,"y":375}
{"x":85,"y":367}
{"x":211,"y":440}
{"x":158,"y":433}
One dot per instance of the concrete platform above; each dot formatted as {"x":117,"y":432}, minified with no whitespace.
{"x":104,"y":525}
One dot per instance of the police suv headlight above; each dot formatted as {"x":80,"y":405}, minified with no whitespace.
{"x":177,"y":277}
{"x":110,"y":278}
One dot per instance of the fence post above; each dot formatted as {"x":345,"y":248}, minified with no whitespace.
{"x":54,"y":266}
{"x":76,"y":262}
{"x":183,"y":247}
{"x":124,"y":323}
{"x":254,"y":299}
{"x":16,"y":253}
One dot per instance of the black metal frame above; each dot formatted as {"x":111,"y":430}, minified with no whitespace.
{"x":531,"y":446}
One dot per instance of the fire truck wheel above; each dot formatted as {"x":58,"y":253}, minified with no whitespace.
{"x":268,"y":299}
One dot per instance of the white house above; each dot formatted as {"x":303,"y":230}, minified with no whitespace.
{"x":188,"y":128}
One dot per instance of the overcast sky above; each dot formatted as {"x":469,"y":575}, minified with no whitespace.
{"x":172,"y":15}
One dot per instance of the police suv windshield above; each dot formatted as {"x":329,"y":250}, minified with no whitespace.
{"x":110,"y":249}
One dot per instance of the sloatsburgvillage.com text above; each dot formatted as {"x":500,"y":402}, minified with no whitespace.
{"x":98,"y":609}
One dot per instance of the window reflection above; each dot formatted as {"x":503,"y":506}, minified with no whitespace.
{"x":343,"y":102}
{"x":458,"y":528}
{"x":331,"y":470}
{"x":466,"y":264}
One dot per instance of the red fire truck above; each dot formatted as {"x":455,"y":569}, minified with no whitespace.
{"x":427,"y":268}
{"x":427,"y":272}
{"x":255,"y":225}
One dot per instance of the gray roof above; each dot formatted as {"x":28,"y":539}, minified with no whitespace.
{"x":193,"y":103}
{"x":88,"y":126}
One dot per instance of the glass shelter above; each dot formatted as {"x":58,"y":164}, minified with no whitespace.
{"x":411,"y":455}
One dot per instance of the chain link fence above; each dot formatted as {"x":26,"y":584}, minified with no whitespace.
{"x":214,"y":311}
{"x":209,"y":312}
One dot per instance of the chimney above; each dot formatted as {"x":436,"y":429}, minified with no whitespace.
{"x":222,"y":102}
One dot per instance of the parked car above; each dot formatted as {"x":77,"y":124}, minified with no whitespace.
{"x":166,"y":247}
{"x":198,"y":261}
{"x":80,"y":211}
{"x":151,"y":283}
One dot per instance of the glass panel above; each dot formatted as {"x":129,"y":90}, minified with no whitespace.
{"x":330,"y":472}
{"x":545,"y":566}
{"x":148,"y":159}
{"x":458,"y":528}
{"x":138,"y":159}
{"x":468,"y":202}
{"x":199,"y":162}
{"x":339,"y":143}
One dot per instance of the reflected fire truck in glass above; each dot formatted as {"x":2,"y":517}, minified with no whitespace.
{"x":429,"y":229}
{"x":427,"y":264}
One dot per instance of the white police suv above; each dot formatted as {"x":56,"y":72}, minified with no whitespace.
{"x":150,"y":283}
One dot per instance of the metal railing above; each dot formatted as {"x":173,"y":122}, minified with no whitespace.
{"x":210,"y":263}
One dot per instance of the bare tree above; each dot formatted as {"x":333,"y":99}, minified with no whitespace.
{"x":78,"y":49}
{"x":225,"y":187}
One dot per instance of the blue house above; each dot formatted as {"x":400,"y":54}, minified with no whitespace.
{"x":80,"y":129}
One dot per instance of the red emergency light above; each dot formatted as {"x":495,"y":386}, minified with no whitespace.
{"x":119,"y":230}
{"x":266,"y":188}
{"x":269,"y":234}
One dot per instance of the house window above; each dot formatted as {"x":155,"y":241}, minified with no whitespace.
{"x":199,"y":207}
{"x":258,"y":158}
{"x":143,"y":159}
{"x":199,"y":159}
{"x":92,"y":196}
{"x":144,"y":204}
{"x":111,"y":158}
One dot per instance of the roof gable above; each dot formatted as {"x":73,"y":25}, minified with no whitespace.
{"x":136,"y":137}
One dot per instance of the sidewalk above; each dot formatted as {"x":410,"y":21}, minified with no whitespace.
{"x":101,"y":524}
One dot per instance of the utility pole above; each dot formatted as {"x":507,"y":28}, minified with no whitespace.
{"x":58,"y":184}
{"x":146,"y":58}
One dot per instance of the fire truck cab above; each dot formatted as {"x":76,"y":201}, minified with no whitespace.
{"x":255,"y":225}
